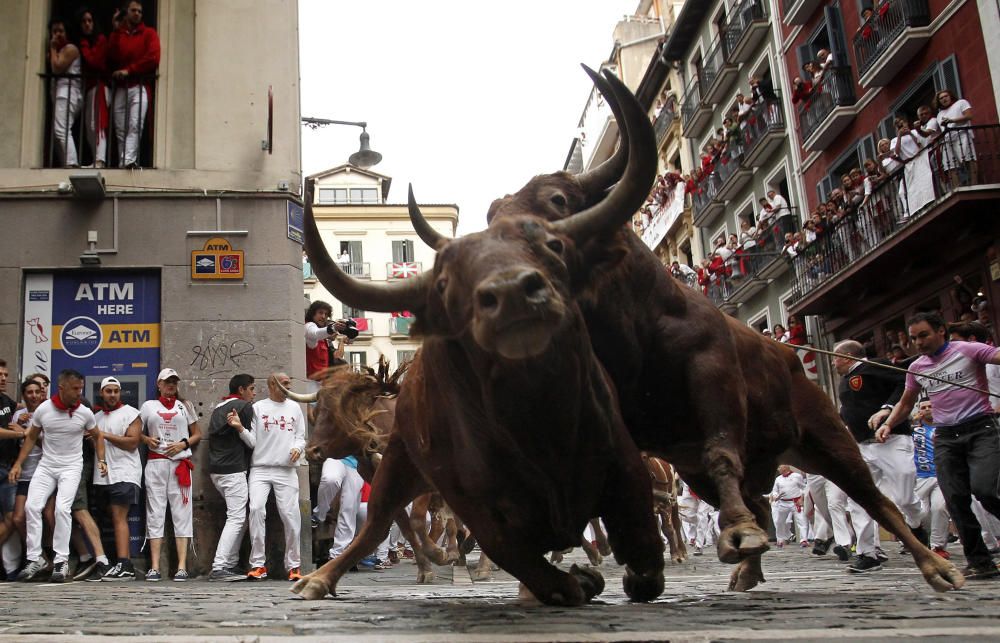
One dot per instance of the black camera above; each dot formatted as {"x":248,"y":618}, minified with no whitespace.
{"x":346,"y":327}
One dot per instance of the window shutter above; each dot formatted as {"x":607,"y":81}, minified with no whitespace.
{"x":805,"y":53}
{"x":867,"y":150}
{"x":402,"y":250}
{"x":354,"y":249}
{"x":946,"y":76}
{"x":835,"y":33}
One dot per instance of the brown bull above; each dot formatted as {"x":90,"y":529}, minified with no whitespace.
{"x":710,"y":395}
{"x":505,"y":409}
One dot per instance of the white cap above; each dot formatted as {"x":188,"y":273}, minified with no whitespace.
{"x":766,"y":331}
{"x":107,"y":381}
{"x":167,"y":373}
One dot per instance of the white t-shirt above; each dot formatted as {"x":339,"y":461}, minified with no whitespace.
{"x":955,"y":110}
{"x":31,"y":462}
{"x":908,"y":147}
{"x":314,"y":334}
{"x":788,"y":487}
{"x":778,"y":205}
{"x":169,"y":425}
{"x":931,"y":125}
{"x":278,"y":427}
{"x":63,"y":446}
{"x":123,"y":466}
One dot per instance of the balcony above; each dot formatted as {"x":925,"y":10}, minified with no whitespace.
{"x":704,"y":206}
{"x":402,"y":269}
{"x":360,"y":270}
{"x":733,"y":174}
{"x":828,"y":110}
{"x":764,"y":133}
{"x":774,"y":241}
{"x":890,"y":37}
{"x":66,"y":136}
{"x":747,"y":27}
{"x":399,"y":327}
{"x":664,"y":120}
{"x":717,"y":73}
{"x":945,"y":193}
{"x":364,"y":326}
{"x":664,"y":216}
{"x":695,"y":114}
{"x":798,"y":12}
{"x":753,"y":269}
{"x":308,"y":275}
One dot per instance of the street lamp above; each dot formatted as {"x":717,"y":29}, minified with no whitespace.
{"x":364,"y":157}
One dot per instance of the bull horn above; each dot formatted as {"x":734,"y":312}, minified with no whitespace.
{"x":405,"y":294}
{"x":299,"y":397}
{"x":429,"y":235}
{"x":633,"y":189}
{"x":596,"y":181}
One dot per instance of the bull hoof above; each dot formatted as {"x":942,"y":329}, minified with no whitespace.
{"x":556,"y":557}
{"x":311,"y":588}
{"x":940,"y":574}
{"x":642,"y":588}
{"x":604,"y":548}
{"x":595,"y":557}
{"x":746,"y":576}
{"x":740,"y":541}
{"x":679,"y":558}
{"x":482,"y":574}
{"x":591,"y":581}
{"x":438,"y":556}
{"x":425,"y":578}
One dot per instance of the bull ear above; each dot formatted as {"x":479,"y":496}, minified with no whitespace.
{"x":631,"y":192}
{"x":595,"y":182}
{"x":406,"y":294}
{"x":429,"y":235}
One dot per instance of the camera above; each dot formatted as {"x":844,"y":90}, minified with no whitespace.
{"x":347,"y":327}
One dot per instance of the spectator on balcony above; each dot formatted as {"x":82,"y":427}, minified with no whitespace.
{"x":733,"y":137}
{"x":824,"y":59}
{"x":778,"y":203}
{"x":64,"y":63}
{"x":867,"y":29}
{"x":742,"y":108}
{"x":765,"y":218}
{"x":801,"y":90}
{"x":817,"y":223}
{"x":874,"y":175}
{"x":93,"y":50}
{"x":809,"y":232}
{"x":780,"y":334}
{"x":853,"y":194}
{"x":958,"y":149}
{"x":917,"y":189}
{"x":134,"y":55}
{"x":890,"y":162}
{"x":926,"y":125}
{"x":761,"y":90}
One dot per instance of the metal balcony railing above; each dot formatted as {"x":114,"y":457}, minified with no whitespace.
{"x":741,"y":18}
{"x":364,"y":326}
{"x":746,"y":264}
{"x":835,"y":89}
{"x":704,"y":192}
{"x":361,"y":269}
{"x":402,"y":269}
{"x":91,"y":123}
{"x":307,"y":271}
{"x":400,"y":326}
{"x":691,"y":101}
{"x":765,"y":117}
{"x":666,"y":118}
{"x":961,"y":157}
{"x":884,"y":26}
{"x":713,"y":63}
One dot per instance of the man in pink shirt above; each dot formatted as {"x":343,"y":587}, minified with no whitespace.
{"x":967,"y":440}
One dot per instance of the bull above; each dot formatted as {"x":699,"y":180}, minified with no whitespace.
{"x":710,"y":395}
{"x":506,"y":410}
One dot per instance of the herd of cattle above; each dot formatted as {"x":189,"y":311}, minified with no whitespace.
{"x":556,"y":352}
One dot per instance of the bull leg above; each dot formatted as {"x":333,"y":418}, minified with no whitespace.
{"x":593,"y":555}
{"x":677,"y":550}
{"x":397,"y":481}
{"x":557,"y":556}
{"x":483,"y":569}
{"x":602,"y":539}
{"x":428,"y":545}
{"x":451,"y":531}
{"x":546,"y":583}
{"x":418,"y":525}
{"x":826,"y":448}
{"x":676,"y":529}
{"x":748,"y":573}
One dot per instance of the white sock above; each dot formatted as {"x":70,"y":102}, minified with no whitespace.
{"x":102,"y":559}
{"x":85,"y":558}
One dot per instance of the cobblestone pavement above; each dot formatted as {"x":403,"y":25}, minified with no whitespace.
{"x":805,"y":598}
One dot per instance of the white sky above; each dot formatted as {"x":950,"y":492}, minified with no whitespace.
{"x":466,"y":100}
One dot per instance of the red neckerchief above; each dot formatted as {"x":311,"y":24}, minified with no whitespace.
{"x":234,"y":396}
{"x":168,"y":402}
{"x":104,"y":407}
{"x":58,"y":403}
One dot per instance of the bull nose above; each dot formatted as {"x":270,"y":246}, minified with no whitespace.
{"x":525,"y":287}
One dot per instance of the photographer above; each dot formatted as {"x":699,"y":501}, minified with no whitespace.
{"x":319,"y":331}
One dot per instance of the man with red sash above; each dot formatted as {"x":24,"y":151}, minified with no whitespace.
{"x":133,"y":52}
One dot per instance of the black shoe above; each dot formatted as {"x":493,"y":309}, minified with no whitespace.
{"x":60,"y":572}
{"x":922,"y":536}
{"x":981,"y":571}
{"x":880,"y":555}
{"x":83,"y":570}
{"x":120,"y":572}
{"x":820,"y":547}
{"x":99,"y":571}
{"x":842,"y":553}
{"x":952,"y":538}
{"x":865,"y":563}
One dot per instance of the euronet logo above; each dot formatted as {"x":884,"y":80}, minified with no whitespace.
{"x":81,"y":337}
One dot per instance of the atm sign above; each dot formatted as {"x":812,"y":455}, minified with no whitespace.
{"x":217,"y":260}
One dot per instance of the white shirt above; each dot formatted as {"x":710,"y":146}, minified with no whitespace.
{"x":278,"y":427}
{"x":315,"y":334}
{"x":788,"y":487}
{"x":779,"y":205}
{"x":63,"y":446}
{"x":31,"y":462}
{"x":169,"y":425}
{"x":123,"y":466}
{"x":910,"y":145}
{"x":931,"y":125}
{"x":956,"y":110}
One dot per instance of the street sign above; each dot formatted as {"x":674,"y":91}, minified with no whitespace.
{"x":217,"y":260}
{"x":295,"y":223}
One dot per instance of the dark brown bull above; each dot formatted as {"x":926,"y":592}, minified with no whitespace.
{"x":505,"y":409}
{"x":710,"y":395}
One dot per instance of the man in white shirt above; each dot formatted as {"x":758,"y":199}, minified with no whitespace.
{"x":123,"y":482}
{"x":279,"y":436}
{"x":779,"y":206}
{"x":65,"y":421}
{"x":786,"y":502}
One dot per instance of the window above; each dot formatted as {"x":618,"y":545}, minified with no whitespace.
{"x":854,"y":157}
{"x":404,"y":356}
{"x":348,"y":195}
{"x":829,"y":35}
{"x":402,"y":251}
{"x":358,"y":360}
{"x":364,"y":195}
{"x":942,"y":75}
{"x":351,"y":260}
{"x":333,"y":195}
{"x":353,"y":313}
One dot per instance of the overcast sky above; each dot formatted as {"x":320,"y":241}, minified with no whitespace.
{"x":466,"y":100}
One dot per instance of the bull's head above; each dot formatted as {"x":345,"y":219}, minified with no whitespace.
{"x":508,"y":286}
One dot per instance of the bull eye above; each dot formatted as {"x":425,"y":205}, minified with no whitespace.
{"x":555,"y":245}
{"x":558,"y":199}
{"x":441,"y":285}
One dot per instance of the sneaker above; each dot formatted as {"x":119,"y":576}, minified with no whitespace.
{"x":84,"y":569}
{"x":842,"y":553}
{"x":952,"y":538}
{"x":804,"y":544}
{"x":821,"y":547}
{"x":314,"y":521}
{"x":153,"y":576}
{"x":408,"y":553}
{"x":119,"y":572}
{"x":31,"y":571}
{"x":226,"y":575}
{"x":257,"y":573}
{"x":981,"y":571}
{"x":864,"y":563}
{"x":942,"y":552}
{"x":780,"y":544}
{"x":294,"y":573}
{"x":880,"y":555}
{"x":60,"y":572}
{"x":697,"y":550}
{"x":367,"y":562}
{"x":382,"y":565}
{"x":181,"y":575}
{"x":99,"y":571}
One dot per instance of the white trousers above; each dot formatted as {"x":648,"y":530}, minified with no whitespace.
{"x":895,"y":475}
{"x":96,"y":136}
{"x":783,"y":512}
{"x":989,"y":524}
{"x":65,"y":108}
{"x":285,"y":483}
{"x":382,"y":552}
{"x":339,"y":479}
{"x":933,"y":512}
{"x":162,"y":488}
{"x":63,"y":481}
{"x":830,"y":504}
{"x":11,"y":554}
{"x":233,"y":489}
{"x":129,"y":112}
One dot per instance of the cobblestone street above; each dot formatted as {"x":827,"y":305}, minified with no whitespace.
{"x":805,"y":598}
